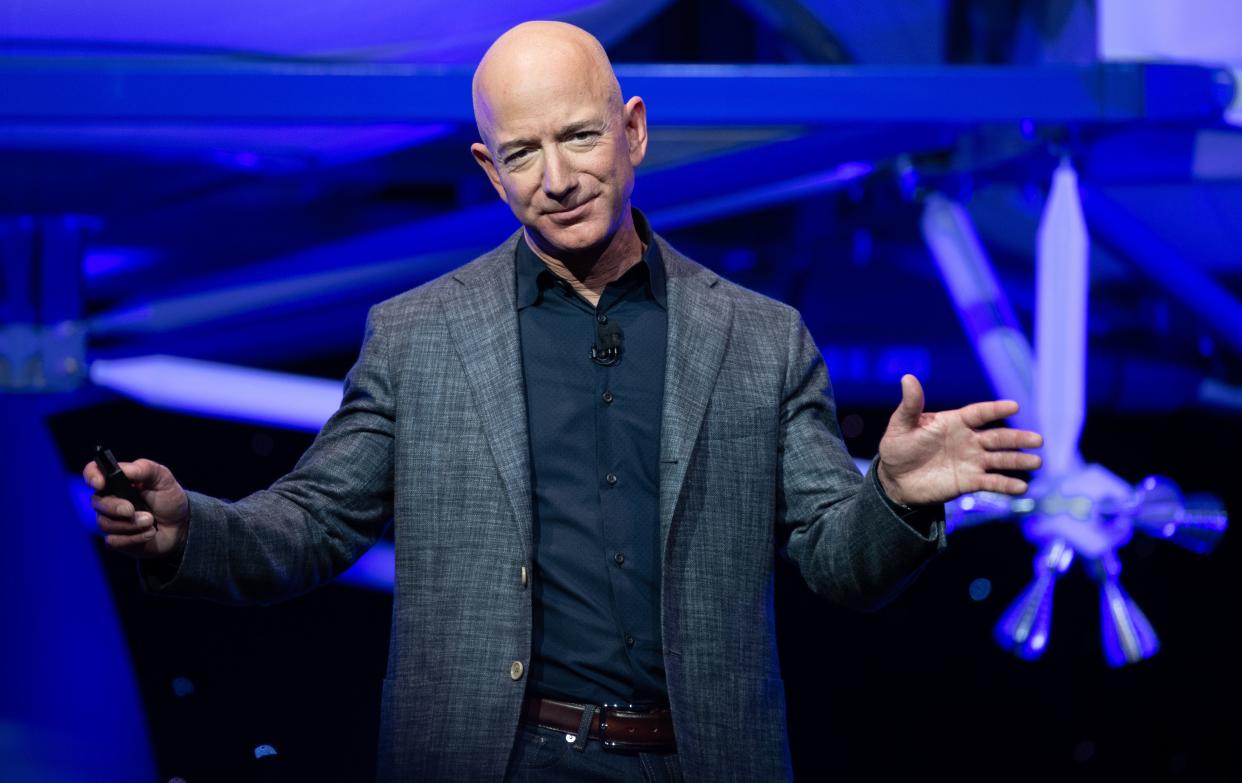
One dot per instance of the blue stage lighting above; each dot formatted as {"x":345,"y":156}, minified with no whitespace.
{"x":1025,"y":626}
{"x":1073,"y":508}
{"x":1128,"y":636}
{"x":212,"y":389}
{"x":980,"y":589}
{"x":1195,"y":523}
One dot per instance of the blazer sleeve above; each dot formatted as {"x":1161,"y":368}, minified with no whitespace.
{"x":312,"y":523}
{"x":844,"y":537}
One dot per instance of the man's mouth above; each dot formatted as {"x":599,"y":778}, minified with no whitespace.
{"x":571,"y":214}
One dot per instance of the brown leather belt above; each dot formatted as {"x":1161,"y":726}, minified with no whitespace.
{"x":629,"y":728}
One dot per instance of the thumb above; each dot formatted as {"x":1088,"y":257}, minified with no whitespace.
{"x":911,"y":407}
{"x":143,"y":471}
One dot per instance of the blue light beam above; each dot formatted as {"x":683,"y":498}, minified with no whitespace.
{"x":221,"y":390}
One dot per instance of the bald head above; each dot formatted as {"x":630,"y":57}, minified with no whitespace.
{"x":558,"y":144}
{"x":540,"y":60}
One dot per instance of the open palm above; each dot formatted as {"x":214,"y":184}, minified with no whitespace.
{"x":935,"y":457}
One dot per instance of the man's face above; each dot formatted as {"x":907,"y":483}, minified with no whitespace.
{"x":561,"y":154}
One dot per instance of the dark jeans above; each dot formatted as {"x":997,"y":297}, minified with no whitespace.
{"x":542,"y":755}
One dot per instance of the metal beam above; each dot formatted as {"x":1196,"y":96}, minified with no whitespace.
{"x":96,"y":90}
{"x":994,"y":332}
{"x":381,"y":261}
{"x":1118,"y":229}
{"x":816,"y":182}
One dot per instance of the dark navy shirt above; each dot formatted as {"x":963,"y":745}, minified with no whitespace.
{"x":594,"y":448}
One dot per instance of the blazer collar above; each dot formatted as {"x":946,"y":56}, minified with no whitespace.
{"x":699,"y":318}
{"x":481,"y":313}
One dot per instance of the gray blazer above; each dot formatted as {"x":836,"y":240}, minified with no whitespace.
{"x":431,"y":432}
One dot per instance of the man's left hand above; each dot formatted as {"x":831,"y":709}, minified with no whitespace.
{"x":935,"y":457}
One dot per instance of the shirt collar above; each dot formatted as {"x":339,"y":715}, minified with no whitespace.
{"x":533,"y":275}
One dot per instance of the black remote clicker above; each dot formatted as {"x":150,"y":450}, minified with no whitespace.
{"x":115,"y":481}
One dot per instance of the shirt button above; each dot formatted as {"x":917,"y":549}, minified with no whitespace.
{"x":611,"y":478}
{"x":603,"y":319}
{"x":629,"y":641}
{"x":524,"y":577}
{"x":618,"y":558}
{"x":608,"y":398}
{"x":515,"y":670}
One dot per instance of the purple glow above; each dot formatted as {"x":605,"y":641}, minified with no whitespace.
{"x":222,"y":391}
{"x":1073,"y":507}
{"x":896,"y":361}
{"x":1128,"y":636}
{"x":244,"y":160}
{"x":1061,"y":323}
{"x":980,"y":507}
{"x":868,"y":364}
{"x":1024,"y":627}
{"x":1195,"y":523}
{"x":1157,"y":30}
{"x":82,"y":494}
{"x":981,"y":304}
{"x":375,"y":570}
{"x":755,"y":198}
{"x":430,"y":31}
{"x":106,"y":261}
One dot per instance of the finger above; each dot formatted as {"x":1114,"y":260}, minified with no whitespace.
{"x":139,"y":524}
{"x":1012,"y":460}
{"x":1005,"y":438}
{"x":1007,"y":485}
{"x":980,"y":413}
{"x":94,"y":477}
{"x":911,"y":406}
{"x":118,"y":541}
{"x":112,"y":506}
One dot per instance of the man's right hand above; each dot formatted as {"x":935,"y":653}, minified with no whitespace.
{"x":146,"y":534}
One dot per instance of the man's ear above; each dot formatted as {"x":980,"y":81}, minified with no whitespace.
{"x":636,"y":129}
{"x":483,"y":157}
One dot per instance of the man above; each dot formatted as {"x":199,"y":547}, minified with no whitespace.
{"x":592,"y":449}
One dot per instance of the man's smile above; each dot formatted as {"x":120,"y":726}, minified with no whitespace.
{"x":566,"y":216}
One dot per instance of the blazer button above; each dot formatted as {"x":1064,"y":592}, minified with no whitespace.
{"x":515,"y":670}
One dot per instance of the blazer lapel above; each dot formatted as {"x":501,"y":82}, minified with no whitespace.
{"x":698,"y":330}
{"x":482,"y":318}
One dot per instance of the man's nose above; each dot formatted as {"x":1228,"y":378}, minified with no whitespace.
{"x":558,"y":175}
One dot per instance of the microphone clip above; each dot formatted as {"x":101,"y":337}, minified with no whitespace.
{"x":607,"y":349}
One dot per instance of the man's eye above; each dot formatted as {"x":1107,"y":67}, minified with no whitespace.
{"x":516,"y":156}
{"x":584,"y":135}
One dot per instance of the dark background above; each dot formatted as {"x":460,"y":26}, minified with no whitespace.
{"x":915,"y":689}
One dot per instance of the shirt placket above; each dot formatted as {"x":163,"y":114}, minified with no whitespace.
{"x":615,"y":528}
